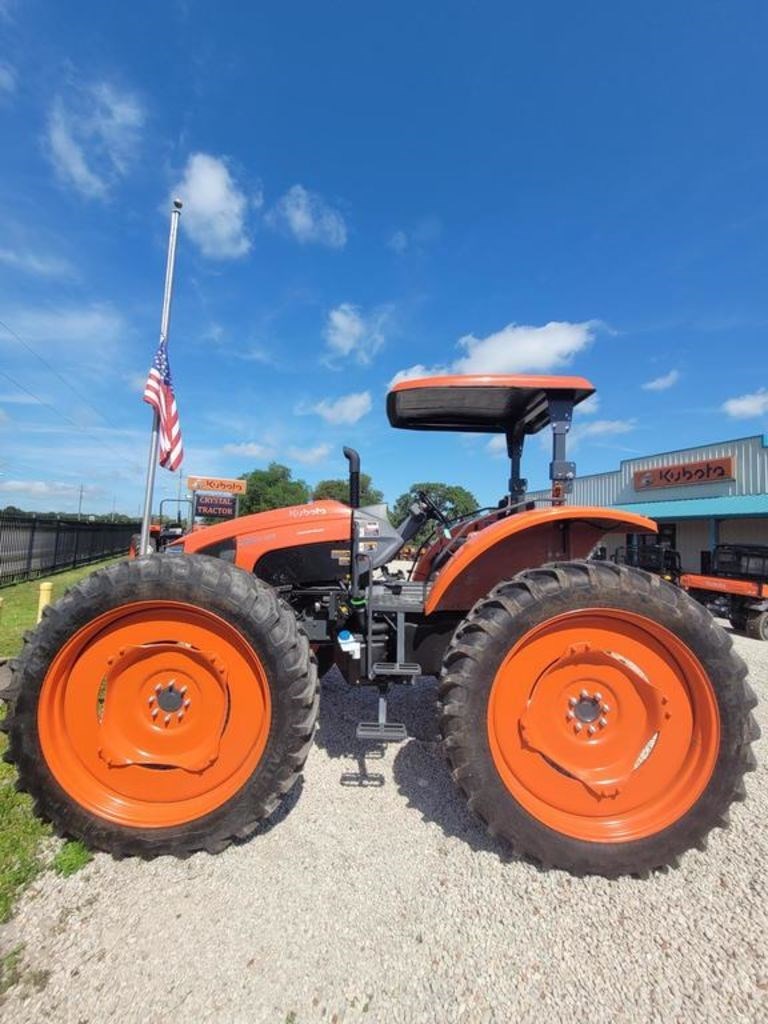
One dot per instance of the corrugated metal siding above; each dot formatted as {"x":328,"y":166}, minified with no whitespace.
{"x":750,"y":455}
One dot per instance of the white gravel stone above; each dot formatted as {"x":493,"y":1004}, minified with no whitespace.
{"x":375,"y":896}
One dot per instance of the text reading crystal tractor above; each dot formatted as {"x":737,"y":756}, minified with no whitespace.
{"x":594,"y":716}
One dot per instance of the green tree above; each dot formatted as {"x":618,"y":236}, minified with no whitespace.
{"x":452,"y":500}
{"x":339,"y":490}
{"x":273,"y":487}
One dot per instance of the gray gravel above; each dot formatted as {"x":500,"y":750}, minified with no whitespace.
{"x":375,"y":896}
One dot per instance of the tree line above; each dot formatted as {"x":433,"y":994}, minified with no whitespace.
{"x":275,"y":487}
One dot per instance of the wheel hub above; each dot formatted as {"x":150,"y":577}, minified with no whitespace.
{"x":597,"y":686}
{"x":152,"y":691}
{"x":168,"y":697}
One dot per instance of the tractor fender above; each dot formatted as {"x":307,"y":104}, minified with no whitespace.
{"x":524,"y":541}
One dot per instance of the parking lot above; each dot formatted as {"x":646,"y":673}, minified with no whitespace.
{"x":374,"y":895}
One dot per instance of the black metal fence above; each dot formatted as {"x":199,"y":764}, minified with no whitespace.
{"x":31,"y":546}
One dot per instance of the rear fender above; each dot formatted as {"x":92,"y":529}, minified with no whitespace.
{"x":524,"y":541}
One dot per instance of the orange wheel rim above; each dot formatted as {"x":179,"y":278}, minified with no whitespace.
{"x":154,"y":714}
{"x":603,"y":725}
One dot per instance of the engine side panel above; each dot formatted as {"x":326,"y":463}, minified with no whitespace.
{"x":298,"y":526}
{"x":524,"y":541}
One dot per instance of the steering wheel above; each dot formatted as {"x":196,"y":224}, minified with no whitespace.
{"x":432,"y":507}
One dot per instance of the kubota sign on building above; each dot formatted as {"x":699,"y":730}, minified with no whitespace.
{"x":684,"y":474}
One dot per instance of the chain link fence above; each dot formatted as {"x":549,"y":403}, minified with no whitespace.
{"x":34,"y":545}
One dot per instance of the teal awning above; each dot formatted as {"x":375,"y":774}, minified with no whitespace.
{"x":702,"y":508}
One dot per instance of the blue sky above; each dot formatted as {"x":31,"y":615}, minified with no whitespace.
{"x":502,"y":187}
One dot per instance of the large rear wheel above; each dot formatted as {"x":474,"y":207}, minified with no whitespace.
{"x":596,"y":718}
{"x":164,"y":705}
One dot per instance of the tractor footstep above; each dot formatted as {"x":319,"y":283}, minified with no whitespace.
{"x":382,"y":732}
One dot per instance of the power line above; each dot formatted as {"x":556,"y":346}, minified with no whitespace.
{"x":68,"y":419}
{"x":54,"y":371}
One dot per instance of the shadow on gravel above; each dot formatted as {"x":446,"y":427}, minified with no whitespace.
{"x":419,"y":769}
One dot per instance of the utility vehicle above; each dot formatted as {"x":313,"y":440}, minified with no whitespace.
{"x":734,"y":581}
{"x":594,"y":716}
{"x":656,"y":558}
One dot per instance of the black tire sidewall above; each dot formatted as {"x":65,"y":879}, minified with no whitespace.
{"x":250,"y":607}
{"x":489,"y":796}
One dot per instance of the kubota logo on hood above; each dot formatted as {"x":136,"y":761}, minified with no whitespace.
{"x":300,"y":513}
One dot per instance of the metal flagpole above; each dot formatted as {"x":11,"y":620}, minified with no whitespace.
{"x":165,"y":320}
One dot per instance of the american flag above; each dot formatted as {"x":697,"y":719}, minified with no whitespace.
{"x":158,"y":392}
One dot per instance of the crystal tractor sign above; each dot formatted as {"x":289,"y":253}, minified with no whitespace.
{"x":215,"y":497}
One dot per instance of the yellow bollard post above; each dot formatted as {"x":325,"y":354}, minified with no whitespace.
{"x":45,"y":598}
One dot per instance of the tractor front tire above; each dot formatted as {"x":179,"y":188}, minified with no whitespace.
{"x":596,"y":718}
{"x":164,"y":705}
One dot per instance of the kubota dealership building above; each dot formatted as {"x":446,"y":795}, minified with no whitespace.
{"x":700,"y":497}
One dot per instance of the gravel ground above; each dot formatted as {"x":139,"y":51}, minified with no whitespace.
{"x":374,"y":896}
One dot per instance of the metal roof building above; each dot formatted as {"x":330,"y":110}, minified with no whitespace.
{"x":701,"y":496}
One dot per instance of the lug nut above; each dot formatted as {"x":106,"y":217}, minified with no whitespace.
{"x":158,"y":688}
{"x":606,"y":708}
{"x":183,"y":690}
{"x":598,"y":697}
{"x":570,"y":715}
{"x":573,"y":701}
{"x":591,"y":730}
{"x":154,"y":712}
{"x":167,"y":719}
{"x":187,"y":703}
{"x":180,"y":715}
{"x":578,"y":727}
{"x":151,"y":700}
{"x":584,"y":694}
{"x":603,"y":722}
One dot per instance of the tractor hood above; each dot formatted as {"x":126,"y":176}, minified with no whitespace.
{"x":247,"y":539}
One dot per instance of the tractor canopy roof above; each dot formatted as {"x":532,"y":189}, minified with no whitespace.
{"x":475,"y":403}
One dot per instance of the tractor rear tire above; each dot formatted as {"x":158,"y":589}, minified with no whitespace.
{"x":164,"y":705}
{"x":596,"y":718}
{"x":757,"y":625}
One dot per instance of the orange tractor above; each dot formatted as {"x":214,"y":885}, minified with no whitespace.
{"x":594,"y":716}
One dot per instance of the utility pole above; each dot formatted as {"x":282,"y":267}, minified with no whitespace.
{"x":80,"y":504}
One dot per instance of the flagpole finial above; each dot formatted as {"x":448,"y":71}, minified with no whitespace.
{"x":177,"y":204}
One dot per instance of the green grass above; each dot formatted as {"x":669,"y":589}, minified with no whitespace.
{"x":19,"y":609}
{"x":21,"y":833}
{"x":10,"y":969}
{"x":71,"y":857}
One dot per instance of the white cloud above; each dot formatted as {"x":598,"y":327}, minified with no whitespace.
{"x":516,"y":348}
{"x":600,"y":428}
{"x":308,"y":217}
{"x":398,"y":242}
{"x":215,"y":208}
{"x":589,"y":406}
{"x":668,"y":380}
{"x":497,"y":445}
{"x":252,"y":448}
{"x":347,"y":409}
{"x":7,"y":79}
{"x":415,"y":239}
{"x":350,"y":333}
{"x":70,"y":328}
{"x":94,"y":136}
{"x":34,"y":263}
{"x":47,"y":488}
{"x":310,"y":456}
{"x":747,"y":406}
